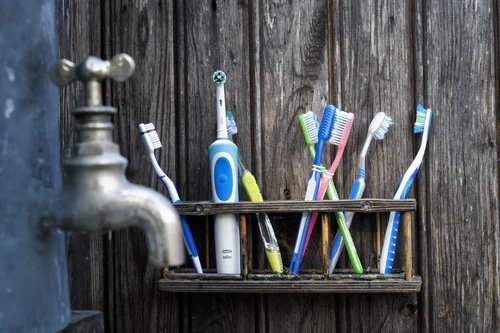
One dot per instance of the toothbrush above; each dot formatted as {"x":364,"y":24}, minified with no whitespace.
{"x":223,"y":155}
{"x":311,"y":135}
{"x":324,"y":133}
{"x":377,"y":129}
{"x":151,"y":142}
{"x":422,"y":124}
{"x":265,"y":227}
{"x":340,"y":135}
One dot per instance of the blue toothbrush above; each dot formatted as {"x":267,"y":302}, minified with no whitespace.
{"x":422,"y":124}
{"x":223,"y":154}
{"x":151,"y":142}
{"x":324,"y":133}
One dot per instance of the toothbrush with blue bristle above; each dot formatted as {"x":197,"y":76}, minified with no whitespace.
{"x":377,"y":129}
{"x":422,"y":125}
{"x":324,"y":133}
{"x":151,"y":142}
{"x":223,"y":155}
{"x":340,"y":135}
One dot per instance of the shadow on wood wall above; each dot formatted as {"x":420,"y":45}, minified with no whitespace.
{"x":283,"y":58}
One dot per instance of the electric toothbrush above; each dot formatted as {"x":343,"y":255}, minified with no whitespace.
{"x":223,"y":155}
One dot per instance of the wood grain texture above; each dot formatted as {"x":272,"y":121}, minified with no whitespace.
{"x":421,"y":232}
{"x":369,"y":283}
{"x":86,"y":258}
{"x":462,"y":177}
{"x":368,"y":205}
{"x":213,"y":35}
{"x":373,"y":72}
{"x":293,"y":77}
{"x":283,"y":58}
{"x":145,"y":31}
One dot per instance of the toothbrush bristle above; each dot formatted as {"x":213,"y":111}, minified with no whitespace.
{"x":219,"y":77}
{"x":418,"y":127}
{"x":232,"y":129}
{"x":383,"y":128}
{"x":341,"y":127}
{"x":311,"y":125}
{"x":152,"y":135}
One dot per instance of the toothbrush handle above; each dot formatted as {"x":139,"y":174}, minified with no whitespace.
{"x":311,"y":193}
{"x":391,"y":235}
{"x":389,"y":249}
{"x":253,"y":192}
{"x":223,"y":155}
{"x":186,"y":231}
{"x":321,"y":193}
{"x":188,"y":239}
{"x":332,"y":194}
{"x":351,"y":249}
{"x":338,"y":242}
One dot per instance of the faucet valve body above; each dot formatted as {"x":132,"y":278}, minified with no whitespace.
{"x":96,"y":196}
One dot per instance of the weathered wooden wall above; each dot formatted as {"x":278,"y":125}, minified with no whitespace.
{"x":283,"y":58}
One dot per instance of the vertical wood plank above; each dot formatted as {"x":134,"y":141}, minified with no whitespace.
{"x":244,"y":245}
{"x":377,"y":240}
{"x":86,"y":261}
{"x":213,"y":35}
{"x":421,"y":232}
{"x":462,"y":175}
{"x":145,"y":31}
{"x":325,"y":241}
{"x":407,"y":246}
{"x":293,"y":79}
{"x":373,"y":72}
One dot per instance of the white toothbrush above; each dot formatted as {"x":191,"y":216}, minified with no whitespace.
{"x":151,"y":142}
{"x":378,"y":127}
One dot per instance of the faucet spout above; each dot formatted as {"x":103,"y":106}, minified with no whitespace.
{"x":150,"y":211}
{"x":103,"y":205}
{"x":96,"y":196}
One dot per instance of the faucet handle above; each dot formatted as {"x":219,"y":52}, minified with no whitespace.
{"x":119,"y":68}
{"x":91,"y":71}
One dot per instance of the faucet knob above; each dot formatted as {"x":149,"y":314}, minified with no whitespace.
{"x":119,"y":68}
{"x":91,"y":71}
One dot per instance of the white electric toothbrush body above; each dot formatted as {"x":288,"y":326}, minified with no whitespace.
{"x":223,"y":154}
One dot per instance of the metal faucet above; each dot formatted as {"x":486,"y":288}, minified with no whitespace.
{"x":96,"y":195}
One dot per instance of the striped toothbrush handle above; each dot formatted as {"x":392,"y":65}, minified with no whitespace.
{"x":338,"y":242}
{"x":390,"y":250}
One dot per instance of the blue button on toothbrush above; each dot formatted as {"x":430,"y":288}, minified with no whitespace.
{"x":223,"y":155}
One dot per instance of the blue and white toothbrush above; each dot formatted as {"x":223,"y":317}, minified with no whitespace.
{"x":324,"y":134}
{"x":223,"y":154}
{"x":377,"y":129}
{"x":422,"y":124}
{"x":151,"y":142}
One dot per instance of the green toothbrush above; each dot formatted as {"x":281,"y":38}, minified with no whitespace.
{"x":331,"y":191}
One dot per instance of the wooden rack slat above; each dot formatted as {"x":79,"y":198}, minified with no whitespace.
{"x":296,"y":206}
{"x":367,"y":283}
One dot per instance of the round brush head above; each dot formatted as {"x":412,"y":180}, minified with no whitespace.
{"x":219,"y":77}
